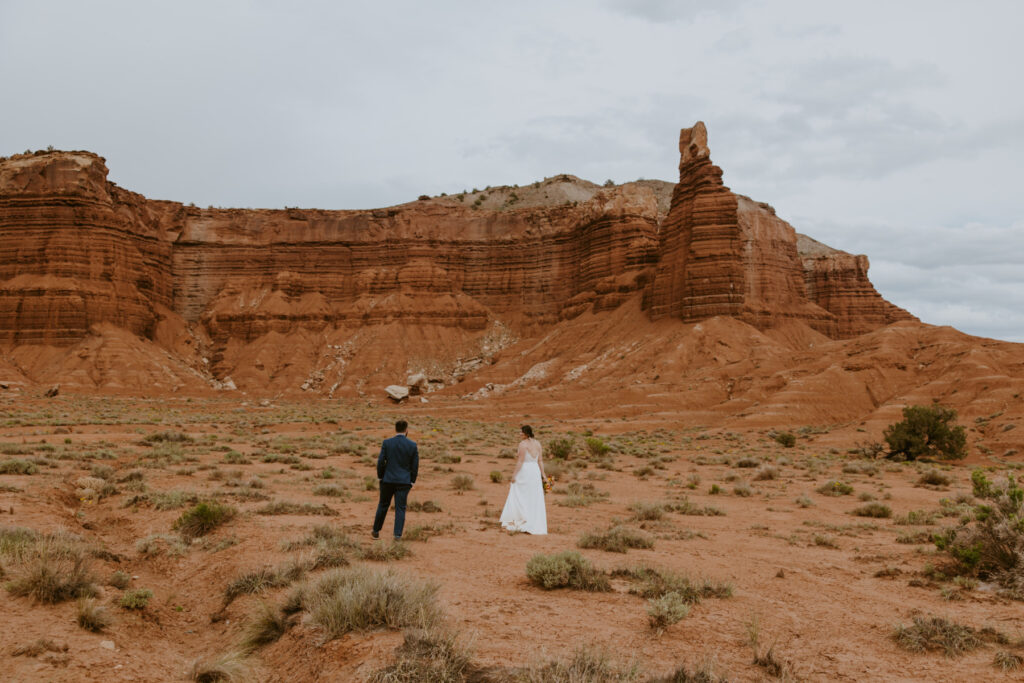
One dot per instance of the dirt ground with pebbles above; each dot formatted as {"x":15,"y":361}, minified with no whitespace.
{"x":824,"y":589}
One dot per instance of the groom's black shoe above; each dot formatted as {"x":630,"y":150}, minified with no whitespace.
{"x":375,"y":534}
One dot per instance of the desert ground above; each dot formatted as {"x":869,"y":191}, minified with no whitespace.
{"x":790,"y":579}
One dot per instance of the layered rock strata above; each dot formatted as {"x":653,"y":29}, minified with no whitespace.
{"x":77,"y":251}
{"x":724,"y":254}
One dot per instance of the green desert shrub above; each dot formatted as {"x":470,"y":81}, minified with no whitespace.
{"x":496,"y":476}
{"x":666,"y":610}
{"x":926,"y":432}
{"x":787,"y":439}
{"x":990,"y":544}
{"x":203,"y":518}
{"x":596,"y":447}
{"x":560,"y":448}
{"x":567,"y":569}
{"x":136,"y":598}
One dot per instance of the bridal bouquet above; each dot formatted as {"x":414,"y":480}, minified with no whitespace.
{"x":548,"y":483}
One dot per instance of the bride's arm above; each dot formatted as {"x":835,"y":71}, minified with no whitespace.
{"x":519,"y":460}
{"x":540,"y":463}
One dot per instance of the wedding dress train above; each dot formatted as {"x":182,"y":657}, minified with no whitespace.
{"x":524,"y":509}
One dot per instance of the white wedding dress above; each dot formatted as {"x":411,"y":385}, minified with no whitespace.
{"x":524,"y":509}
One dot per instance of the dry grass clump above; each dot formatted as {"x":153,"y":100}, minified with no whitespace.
{"x":261,"y":580}
{"x":835,"y":488}
{"x":167,"y":437}
{"x":18,"y":466}
{"x":38,"y":647}
{"x":1007,"y":661}
{"x":158,"y":544}
{"x":230,"y":667}
{"x":385,"y":552}
{"x":567,"y":569}
{"x":92,"y":616}
{"x":766,"y":472}
{"x":878,"y":510}
{"x":424,"y":532}
{"x":936,"y":634}
{"x":361,"y":599}
{"x":266,"y":627}
{"x":587,"y":665}
{"x":462,"y":482}
{"x":916,"y":517}
{"x":748,"y":462}
{"x":49,"y":568}
{"x":434,"y":656}
{"x":119,"y":579}
{"x":582,"y":495}
{"x":933,"y":477}
{"x":685,"y":506}
{"x":203,"y":518}
{"x":331,"y":490}
{"x":424,"y":506}
{"x":654,"y":583}
{"x":860,"y":467}
{"x":648,"y":512}
{"x":289,"y":508}
{"x":618,"y":539}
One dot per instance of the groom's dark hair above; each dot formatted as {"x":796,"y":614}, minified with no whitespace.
{"x":401,"y":426}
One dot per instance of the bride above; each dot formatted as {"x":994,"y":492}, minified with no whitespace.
{"x":524,"y":509}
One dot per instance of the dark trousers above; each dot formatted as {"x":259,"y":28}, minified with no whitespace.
{"x":400,"y":492}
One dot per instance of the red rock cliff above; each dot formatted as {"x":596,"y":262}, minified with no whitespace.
{"x":724,"y":254}
{"x":77,"y":251}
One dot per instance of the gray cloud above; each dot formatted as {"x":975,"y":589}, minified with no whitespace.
{"x":891,"y":129}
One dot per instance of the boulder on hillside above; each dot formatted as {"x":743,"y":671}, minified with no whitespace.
{"x":397,"y":393}
{"x":417,"y":383}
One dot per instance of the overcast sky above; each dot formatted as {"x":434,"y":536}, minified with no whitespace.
{"x":893,"y":129}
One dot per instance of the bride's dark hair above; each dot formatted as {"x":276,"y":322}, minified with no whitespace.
{"x":528,"y":430}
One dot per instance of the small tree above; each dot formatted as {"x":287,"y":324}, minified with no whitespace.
{"x":926,"y":432}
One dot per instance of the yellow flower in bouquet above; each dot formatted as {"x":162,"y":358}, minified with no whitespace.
{"x":548,"y":483}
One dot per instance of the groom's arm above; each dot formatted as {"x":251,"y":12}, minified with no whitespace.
{"x":382,"y":461}
{"x":414,"y":467}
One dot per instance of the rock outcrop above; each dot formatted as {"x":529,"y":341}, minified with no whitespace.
{"x":724,"y":254}
{"x":283,"y":298}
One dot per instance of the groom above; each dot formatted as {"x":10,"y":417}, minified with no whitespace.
{"x":397,"y":465}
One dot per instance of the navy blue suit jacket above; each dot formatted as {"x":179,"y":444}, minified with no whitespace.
{"x":399,"y":460}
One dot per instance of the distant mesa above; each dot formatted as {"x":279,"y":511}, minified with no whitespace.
{"x":104,"y":289}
